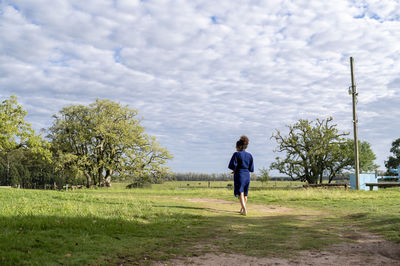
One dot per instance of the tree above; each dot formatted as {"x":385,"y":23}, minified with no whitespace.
{"x":17,"y":137}
{"x":316,"y":149}
{"x":25,"y":168}
{"x":148,"y":165}
{"x":15,"y":133}
{"x":366,"y":156}
{"x":102,"y":140}
{"x":312,"y":150}
{"x":394,"y":161}
{"x":264,"y":175}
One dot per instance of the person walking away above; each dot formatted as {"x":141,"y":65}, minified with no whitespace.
{"x":241,"y":164}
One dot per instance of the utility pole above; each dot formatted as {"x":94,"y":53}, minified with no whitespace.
{"x":355,"y":120}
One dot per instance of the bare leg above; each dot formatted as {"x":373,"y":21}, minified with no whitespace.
{"x":243,"y":203}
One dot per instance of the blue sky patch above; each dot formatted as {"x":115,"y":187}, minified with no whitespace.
{"x":14,"y":6}
{"x":117,"y":55}
{"x":360,"y":16}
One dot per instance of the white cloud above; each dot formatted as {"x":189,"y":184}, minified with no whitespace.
{"x":204,"y":72}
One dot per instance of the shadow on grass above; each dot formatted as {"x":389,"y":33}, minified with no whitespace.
{"x":94,"y":240}
{"x":80,"y":240}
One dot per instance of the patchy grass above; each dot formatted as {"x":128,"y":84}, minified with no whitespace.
{"x":375,"y":211}
{"x":109,"y":226}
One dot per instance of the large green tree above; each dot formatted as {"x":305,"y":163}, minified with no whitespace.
{"x":366,"y":156}
{"x":104,"y":139}
{"x":394,"y":161}
{"x":17,"y":140}
{"x":15,"y":132}
{"x":316,"y":149}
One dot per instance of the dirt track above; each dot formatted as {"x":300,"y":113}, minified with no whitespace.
{"x":367,"y":249}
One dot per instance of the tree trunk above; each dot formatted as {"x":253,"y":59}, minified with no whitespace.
{"x":108,"y":177}
{"x":8,"y":178}
{"x":101,"y":177}
{"x":88,"y":179}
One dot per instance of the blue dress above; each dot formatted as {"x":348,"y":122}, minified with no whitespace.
{"x":242,"y":164}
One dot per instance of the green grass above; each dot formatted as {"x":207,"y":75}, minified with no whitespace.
{"x":136,"y":226}
{"x":223,"y":184}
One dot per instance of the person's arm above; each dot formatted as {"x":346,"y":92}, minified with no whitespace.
{"x":251,"y":167}
{"x":233,"y":163}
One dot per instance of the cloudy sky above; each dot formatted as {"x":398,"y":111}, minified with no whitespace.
{"x":202,"y":73}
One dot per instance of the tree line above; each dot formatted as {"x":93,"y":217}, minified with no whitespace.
{"x":88,"y":145}
{"x":104,"y":141}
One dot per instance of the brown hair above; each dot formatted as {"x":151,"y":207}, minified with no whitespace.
{"x":242,"y":143}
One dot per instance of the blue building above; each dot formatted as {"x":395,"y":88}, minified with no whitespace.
{"x":373,"y":178}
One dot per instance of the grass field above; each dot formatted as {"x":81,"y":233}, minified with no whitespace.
{"x":223,"y":184}
{"x":138,"y":226}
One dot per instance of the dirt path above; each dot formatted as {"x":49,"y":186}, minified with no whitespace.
{"x":367,"y":248}
{"x":213,"y":203}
